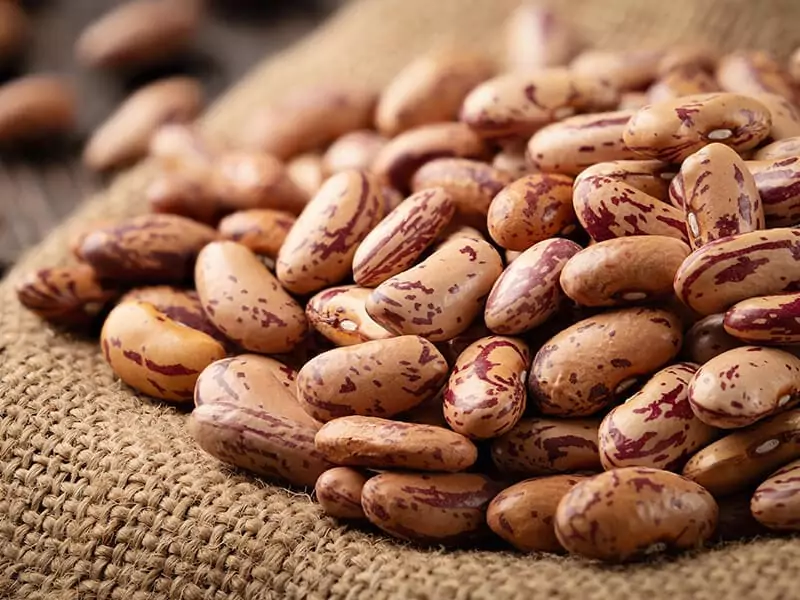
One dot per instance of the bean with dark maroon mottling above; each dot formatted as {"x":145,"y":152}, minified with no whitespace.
{"x":485,"y":395}
{"x":154,"y":354}
{"x":528,"y":292}
{"x":262,"y":230}
{"x":590,"y":364}
{"x":441,"y":296}
{"x":441,"y":508}
{"x":778,"y":183}
{"x":787,"y":148}
{"x":380,"y":443}
{"x":746,"y":457}
{"x":743,"y":385}
{"x":656,"y":426}
{"x":402,"y":236}
{"x":338,"y":491}
{"x":340,"y":314}
{"x":541,"y":446}
{"x":531,"y":209}
{"x":776,"y":502}
{"x":524,"y":513}
{"x":753,"y":72}
{"x":245,"y":301}
{"x":629,"y":513}
{"x":146,"y":249}
{"x":766,"y":320}
{"x":379,"y":378}
{"x":649,"y":176}
{"x":707,"y":338}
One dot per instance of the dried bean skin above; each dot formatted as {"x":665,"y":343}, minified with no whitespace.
{"x":354,"y":150}
{"x":485,"y":395}
{"x":542,"y":446}
{"x":707,"y":338}
{"x":338,"y":491}
{"x":775,"y":502}
{"x":154,"y":354}
{"x":747,"y":456}
{"x":743,"y":385}
{"x":778,"y":183}
{"x":245,"y":301}
{"x":528,"y":292}
{"x":146,"y":249}
{"x":531,"y":209}
{"x":656,"y":426}
{"x":471,"y":185}
{"x":458,"y":276}
{"x":673,"y":129}
{"x":623,"y":270}
{"x":786,"y":148}
{"x":380,"y":378}
{"x":340,"y":314}
{"x":571,"y":145}
{"x":649,"y":176}
{"x":588,"y":365}
{"x":523,"y":514}
{"x":628,"y":513}
{"x":263,"y":230}
{"x":728,"y":270}
{"x":720,"y":197}
{"x":396,"y":243}
{"x":381,"y":443}
{"x":436,"y":508}
{"x":319,"y":249}
{"x":609,"y":208}
{"x":766,"y":320}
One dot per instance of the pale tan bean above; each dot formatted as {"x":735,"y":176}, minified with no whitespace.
{"x":338,"y":491}
{"x":263,"y":230}
{"x":775,"y":502}
{"x":632,"y":101}
{"x":697,"y":54}
{"x":753,"y":72}
{"x":340,"y":314}
{"x":307,"y":171}
{"x":354,"y":150}
{"x":786,"y":148}
{"x":536,"y":36}
{"x":685,"y":81}
{"x":625,"y":70}
{"x":785,"y":116}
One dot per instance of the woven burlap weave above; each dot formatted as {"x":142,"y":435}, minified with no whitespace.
{"x":104,"y":495}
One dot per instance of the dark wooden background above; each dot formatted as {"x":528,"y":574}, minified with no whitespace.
{"x":40,"y":186}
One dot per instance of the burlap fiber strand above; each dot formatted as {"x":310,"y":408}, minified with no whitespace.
{"x":103,"y":494}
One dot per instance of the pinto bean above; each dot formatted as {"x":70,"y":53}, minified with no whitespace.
{"x":766,"y":320}
{"x":340,"y":314}
{"x":775,"y":502}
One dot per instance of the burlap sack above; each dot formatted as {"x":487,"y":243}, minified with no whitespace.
{"x":103,"y":494}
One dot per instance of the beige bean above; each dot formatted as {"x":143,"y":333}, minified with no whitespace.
{"x":458,"y":276}
{"x":632,"y":101}
{"x":263,"y":230}
{"x":656,"y":426}
{"x":485,"y":395}
{"x":707,"y":338}
{"x":338,"y":491}
{"x":541,"y":446}
{"x":125,"y":136}
{"x":785,"y":116}
{"x":244,"y":300}
{"x":527,"y":293}
{"x":440,"y":508}
{"x":536,"y":36}
{"x":354,"y":150}
{"x":381,"y":443}
{"x":531,"y":209}
{"x":743,"y":385}
{"x":307,"y":171}
{"x":319,"y":249}
{"x":746,"y":457}
{"x":154,"y":354}
{"x":379,"y":378}
{"x":14,"y":31}
{"x":512,"y":161}
{"x":649,"y":176}
{"x":181,"y":147}
{"x":786,"y":148}
{"x":623,"y":270}
{"x":571,"y":145}
{"x":183,"y":195}
{"x":794,"y":66}
{"x":753,"y":72}
{"x":720,"y":274}
{"x":766,"y":320}
{"x":36,"y":107}
{"x":625,"y":70}
{"x":430,"y":89}
{"x":523,"y":514}
{"x":775,"y":502}
{"x":643,"y":511}
{"x":673,"y":129}
{"x":590,"y":364}
{"x":696,"y":54}
{"x":685,"y":81}
{"x":340,"y":314}
{"x":402,"y":236}
{"x":778,"y":184}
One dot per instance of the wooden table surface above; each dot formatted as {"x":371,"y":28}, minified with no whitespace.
{"x":39,"y":187}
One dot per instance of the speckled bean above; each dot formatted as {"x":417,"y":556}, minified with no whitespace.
{"x":528,"y":292}
{"x":707,"y":338}
{"x":512,"y":161}
{"x":623,"y":270}
{"x":785,"y":116}
{"x":154,"y":354}
{"x":440,"y":297}
{"x":440,"y":508}
{"x":319,"y":249}
{"x":629,"y":513}
{"x":381,"y":443}
{"x":338,"y":491}
{"x":746,"y":457}
{"x":400,"y":239}
{"x":625,"y":70}
{"x":753,"y":72}
{"x":776,"y":502}
{"x":685,"y":81}
{"x":354,"y":150}
{"x":656,"y":426}
{"x":786,"y":148}
{"x":673,"y":129}
{"x":649,"y":176}
{"x":531,"y":209}
{"x":340,"y":314}
{"x":759,"y":263}
{"x":743,"y":385}
{"x":537,"y":36}
{"x":485,"y":395}
{"x":778,"y":183}
{"x":591,"y":363}
{"x":263,"y":230}
{"x":244,"y":300}
{"x":541,"y":446}
{"x":766,"y":320}
{"x":379,"y":378}
{"x":696,"y":54}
